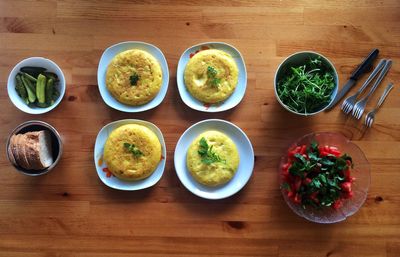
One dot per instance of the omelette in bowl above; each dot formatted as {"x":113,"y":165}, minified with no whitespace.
{"x":212,"y":158}
{"x":211,"y":76}
{"x":134,"y":77}
{"x":132,"y":152}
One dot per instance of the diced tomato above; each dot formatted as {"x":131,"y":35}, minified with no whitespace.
{"x":303,"y":149}
{"x":348,"y":195}
{"x":347,"y":175}
{"x":322,"y":151}
{"x":297,"y":199}
{"x":313,"y":196}
{"x":333,"y":150}
{"x":346,"y":186}
{"x":285,"y":167}
{"x":290,"y":194}
{"x":337,"y":204}
{"x":349,"y":163}
{"x":306,"y":181}
{"x":292,"y":153}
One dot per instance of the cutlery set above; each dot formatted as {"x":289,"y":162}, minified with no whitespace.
{"x":355,"y":105}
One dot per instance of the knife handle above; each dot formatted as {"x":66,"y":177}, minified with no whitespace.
{"x":365,"y":65}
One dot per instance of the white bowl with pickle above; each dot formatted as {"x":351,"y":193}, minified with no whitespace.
{"x":36,"y":85}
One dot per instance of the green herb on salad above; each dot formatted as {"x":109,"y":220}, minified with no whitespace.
{"x":208,"y":155}
{"x":134,"y":78}
{"x":133,"y":149}
{"x":317,"y":176}
{"x":306,"y":88}
{"x":212,"y":75}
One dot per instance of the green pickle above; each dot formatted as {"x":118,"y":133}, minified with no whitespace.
{"x":49,"y":91}
{"x":21,"y":90}
{"x":41,"y":88}
{"x":31,"y":93}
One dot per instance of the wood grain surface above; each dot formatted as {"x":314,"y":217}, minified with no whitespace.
{"x":70,"y":212}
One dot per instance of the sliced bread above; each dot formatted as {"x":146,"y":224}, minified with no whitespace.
{"x":32,"y":150}
{"x":38,"y":149}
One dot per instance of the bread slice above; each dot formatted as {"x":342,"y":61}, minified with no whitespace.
{"x":38,"y":149}
{"x":11,"y":150}
{"x":19,"y":150}
{"x":31,"y":150}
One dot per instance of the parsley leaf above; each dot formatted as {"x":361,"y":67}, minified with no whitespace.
{"x":212,"y":75}
{"x":133,"y":149}
{"x":208,"y":156}
{"x":134,"y":78}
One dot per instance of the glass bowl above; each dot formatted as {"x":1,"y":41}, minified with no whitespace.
{"x":361,"y":172}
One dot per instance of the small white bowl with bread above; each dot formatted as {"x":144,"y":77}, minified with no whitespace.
{"x":34,"y":148}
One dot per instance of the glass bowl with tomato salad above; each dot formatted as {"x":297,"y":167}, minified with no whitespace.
{"x":324,"y":177}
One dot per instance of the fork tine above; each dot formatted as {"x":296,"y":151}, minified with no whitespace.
{"x":346,"y":108}
{"x":366,"y":122}
{"x":369,"y":121}
{"x":343,"y":106}
{"x":360,"y":113}
{"x":356,"y":111}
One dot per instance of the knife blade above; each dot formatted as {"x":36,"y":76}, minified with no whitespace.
{"x":362,"y":68}
{"x":349,"y":84}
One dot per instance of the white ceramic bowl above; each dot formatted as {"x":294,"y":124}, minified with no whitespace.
{"x":105,"y":60}
{"x":246,"y":163}
{"x":231,"y":101}
{"x":298,"y":59}
{"x":36,"y":62}
{"x":115,"y":182}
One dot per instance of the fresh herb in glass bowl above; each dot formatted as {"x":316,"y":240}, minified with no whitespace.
{"x":306,"y":88}
{"x":318,"y":179}
{"x":318,"y":176}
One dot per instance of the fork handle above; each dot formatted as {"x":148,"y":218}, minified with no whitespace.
{"x":372,"y":76}
{"x":385,"y":69}
{"x":384,"y":95}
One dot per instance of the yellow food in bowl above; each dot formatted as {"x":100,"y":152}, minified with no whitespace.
{"x":132,"y":152}
{"x":212,"y":158}
{"x":211,"y":76}
{"x":134,"y":77}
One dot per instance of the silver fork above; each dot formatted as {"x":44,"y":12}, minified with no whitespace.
{"x":349,"y":102}
{"x":359,"y":107}
{"x":369,"y":118}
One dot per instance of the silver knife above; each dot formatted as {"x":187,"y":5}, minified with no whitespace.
{"x":362,"y":68}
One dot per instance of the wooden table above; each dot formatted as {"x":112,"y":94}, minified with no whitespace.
{"x":70,"y":212}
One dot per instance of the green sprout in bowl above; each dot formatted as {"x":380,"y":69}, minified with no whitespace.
{"x":306,"y":88}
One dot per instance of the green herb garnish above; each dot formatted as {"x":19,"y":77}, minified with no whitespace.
{"x":133,"y":149}
{"x":306,"y":88}
{"x":325,"y":174}
{"x":208,"y":156}
{"x":212,"y":75}
{"x":134,"y":78}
